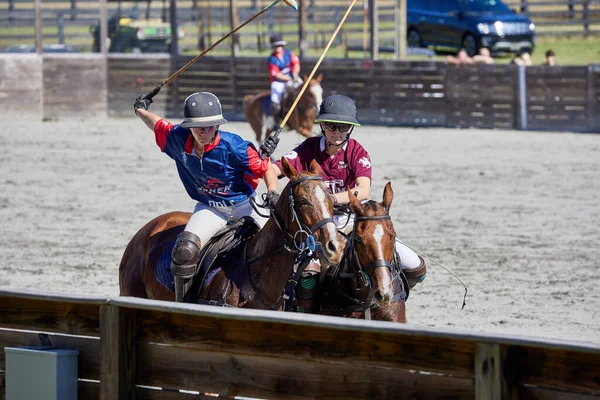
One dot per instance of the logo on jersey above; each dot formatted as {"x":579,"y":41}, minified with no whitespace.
{"x":342,"y":165}
{"x":335,"y":186}
{"x":291,"y":155}
{"x":212,"y":187}
{"x":364,"y":161}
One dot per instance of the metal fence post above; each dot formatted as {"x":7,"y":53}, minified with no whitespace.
{"x":38,"y":26}
{"x":522,"y":97}
{"x":103,"y":34}
{"x":60,"y":22}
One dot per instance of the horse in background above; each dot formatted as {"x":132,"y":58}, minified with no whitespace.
{"x":369,"y":280}
{"x":253,"y":274}
{"x":302,"y":119}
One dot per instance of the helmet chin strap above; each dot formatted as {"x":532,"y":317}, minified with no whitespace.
{"x":337,"y":145}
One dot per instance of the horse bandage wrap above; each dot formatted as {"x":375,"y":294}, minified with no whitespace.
{"x":186,"y":255}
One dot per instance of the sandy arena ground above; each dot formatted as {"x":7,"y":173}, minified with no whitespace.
{"x":515,"y":215}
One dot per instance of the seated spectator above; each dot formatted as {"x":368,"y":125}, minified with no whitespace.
{"x":461,"y":58}
{"x":526,"y":57}
{"x":522,"y":59}
{"x":550,"y":58}
{"x":484,"y":57}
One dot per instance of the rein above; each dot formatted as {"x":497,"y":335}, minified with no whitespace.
{"x":359,"y":272}
{"x":302,"y":250}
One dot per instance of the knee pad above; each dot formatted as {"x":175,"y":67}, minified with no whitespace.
{"x":187,"y":249}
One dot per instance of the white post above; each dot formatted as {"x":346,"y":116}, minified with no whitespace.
{"x":38,"y":26}
{"x":523,"y":97}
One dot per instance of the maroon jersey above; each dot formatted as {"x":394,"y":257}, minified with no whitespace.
{"x":340,"y":171}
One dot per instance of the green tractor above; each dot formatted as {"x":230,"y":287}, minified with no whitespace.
{"x":133,"y":34}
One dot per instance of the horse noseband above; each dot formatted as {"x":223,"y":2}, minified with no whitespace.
{"x":310,"y":240}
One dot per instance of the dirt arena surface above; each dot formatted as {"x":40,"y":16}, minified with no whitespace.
{"x":515,"y":215}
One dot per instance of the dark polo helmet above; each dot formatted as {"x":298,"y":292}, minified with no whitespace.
{"x":201,"y":110}
{"x":338,"y":108}
{"x":277,"y":40}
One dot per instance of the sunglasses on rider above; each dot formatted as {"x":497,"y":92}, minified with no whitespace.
{"x":332,"y":126}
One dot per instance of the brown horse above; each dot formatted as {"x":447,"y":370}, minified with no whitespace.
{"x":369,"y":276}
{"x":264,"y":263}
{"x":301,"y":120}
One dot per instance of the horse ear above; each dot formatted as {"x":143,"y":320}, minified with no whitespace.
{"x":288,"y":169}
{"x":388,"y":196}
{"x":315,"y":168}
{"x":355,"y":205}
{"x":320,"y":78}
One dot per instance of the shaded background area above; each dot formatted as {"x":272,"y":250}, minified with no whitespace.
{"x":516,"y":215}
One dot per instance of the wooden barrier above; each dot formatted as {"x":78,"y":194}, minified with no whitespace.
{"x":134,"y":348}
{"x":129,"y":76}
{"x":21,"y":86}
{"x":483,"y":96}
{"x":557,"y":97}
{"x":419,"y":93}
{"x":74,"y":86}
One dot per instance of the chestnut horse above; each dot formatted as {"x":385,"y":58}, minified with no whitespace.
{"x":369,"y":279}
{"x":265,"y":262}
{"x":302,"y":118}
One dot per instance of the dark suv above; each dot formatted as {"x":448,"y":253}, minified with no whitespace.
{"x":468,"y":24}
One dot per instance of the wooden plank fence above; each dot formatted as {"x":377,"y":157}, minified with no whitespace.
{"x":387,"y":92}
{"x":143,"y":349}
{"x":65,"y":21}
{"x":482,"y":96}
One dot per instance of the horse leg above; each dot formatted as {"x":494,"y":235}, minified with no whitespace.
{"x":394,"y":312}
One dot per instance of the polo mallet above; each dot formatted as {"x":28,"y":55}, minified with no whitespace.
{"x":275,"y":134}
{"x":154,"y":92}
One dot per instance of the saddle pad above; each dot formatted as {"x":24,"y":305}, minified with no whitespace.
{"x":163,"y":274}
{"x":266,"y":105}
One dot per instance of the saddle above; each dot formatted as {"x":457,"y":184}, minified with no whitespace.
{"x":223,"y":246}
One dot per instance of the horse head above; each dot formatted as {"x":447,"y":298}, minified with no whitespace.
{"x":372,"y":243}
{"x":306,"y":210}
{"x":316,"y":89}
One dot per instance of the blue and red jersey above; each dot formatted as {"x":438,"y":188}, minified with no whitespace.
{"x":227,"y":172}
{"x":282,"y":65}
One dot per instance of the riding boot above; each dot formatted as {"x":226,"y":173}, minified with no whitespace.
{"x":307,"y":291}
{"x":184,"y":262}
{"x":416,"y":275}
{"x":276,"y":114}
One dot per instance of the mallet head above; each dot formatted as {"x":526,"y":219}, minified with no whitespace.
{"x":292,"y":3}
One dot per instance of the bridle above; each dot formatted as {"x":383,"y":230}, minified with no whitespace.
{"x":293,"y":243}
{"x":358,"y":271}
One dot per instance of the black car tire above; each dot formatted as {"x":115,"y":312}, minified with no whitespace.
{"x":469,"y":43}
{"x":414,"y":38}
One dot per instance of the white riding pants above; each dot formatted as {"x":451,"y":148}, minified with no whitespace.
{"x":206,"y":221}
{"x":277,"y":89}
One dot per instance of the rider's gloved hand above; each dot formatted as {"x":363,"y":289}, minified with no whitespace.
{"x":142,"y":102}
{"x":268,"y":146}
{"x":272,"y":198}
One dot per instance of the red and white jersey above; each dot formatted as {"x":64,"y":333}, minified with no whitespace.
{"x":340,"y":171}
